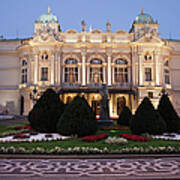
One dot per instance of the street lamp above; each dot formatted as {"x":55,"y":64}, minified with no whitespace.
{"x":34,"y":95}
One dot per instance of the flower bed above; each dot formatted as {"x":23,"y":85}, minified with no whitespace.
{"x":21,"y":136}
{"x":116,"y":140}
{"x":94,"y":138}
{"x":133,"y":137}
{"x":27,"y":137}
{"x":22,"y":127}
{"x":167,"y":136}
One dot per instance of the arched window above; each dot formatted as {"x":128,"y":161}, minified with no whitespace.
{"x":24,"y":71}
{"x":70,"y":61}
{"x":166,"y":73}
{"x":121,"y":71}
{"x":96,"y":71}
{"x":71,"y":71}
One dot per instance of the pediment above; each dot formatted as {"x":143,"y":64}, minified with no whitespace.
{"x":150,"y":39}
{"x":44,"y":38}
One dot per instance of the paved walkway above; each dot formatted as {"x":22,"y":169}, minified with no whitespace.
{"x":85,"y":169}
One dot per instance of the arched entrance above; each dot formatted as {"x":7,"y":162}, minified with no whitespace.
{"x":121,"y":102}
{"x":22,"y":105}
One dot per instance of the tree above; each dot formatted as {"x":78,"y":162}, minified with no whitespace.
{"x":169,"y":114}
{"x":147,"y":119}
{"x":125,"y":116}
{"x":78,"y":119}
{"x":46,"y":112}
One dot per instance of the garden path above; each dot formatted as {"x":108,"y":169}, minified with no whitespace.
{"x":85,"y":169}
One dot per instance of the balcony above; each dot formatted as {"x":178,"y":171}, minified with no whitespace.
{"x":122,"y":85}
{"x":70,"y":85}
{"x":94,"y":85}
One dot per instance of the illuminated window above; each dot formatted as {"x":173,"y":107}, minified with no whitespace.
{"x":96,"y":71}
{"x":121,"y":103}
{"x":148,"y":74}
{"x":121,"y":71}
{"x":71,"y":71}
{"x":44,"y":74}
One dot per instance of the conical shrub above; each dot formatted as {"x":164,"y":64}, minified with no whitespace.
{"x":125,"y":116}
{"x":46,"y":112}
{"x":78,"y":119}
{"x":147,"y":119}
{"x":169,"y":114}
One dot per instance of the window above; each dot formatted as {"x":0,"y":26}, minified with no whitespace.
{"x":71,"y":75}
{"x":166,"y":73}
{"x":121,"y":71}
{"x":166,"y":76}
{"x":96,"y":61}
{"x":121,"y":103}
{"x":148,"y":74}
{"x":150,"y":94}
{"x":96,"y":71}
{"x":44,"y":56}
{"x":71,"y":71}
{"x":24,"y":72}
{"x":147,"y":57}
{"x":44,"y":74}
{"x":120,"y":75}
{"x":96,"y":75}
{"x":121,"y":61}
{"x":70,"y":61}
{"x":24,"y":75}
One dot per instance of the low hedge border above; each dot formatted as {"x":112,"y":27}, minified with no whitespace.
{"x":91,"y":150}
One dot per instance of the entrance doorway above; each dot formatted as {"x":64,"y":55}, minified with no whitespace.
{"x":121,"y":102}
{"x":96,"y":107}
{"x":22,"y":105}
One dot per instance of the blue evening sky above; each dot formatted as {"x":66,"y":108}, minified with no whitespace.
{"x":17,"y":16}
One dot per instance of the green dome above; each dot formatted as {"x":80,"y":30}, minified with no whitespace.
{"x":144,"y":18}
{"x":47,"y":18}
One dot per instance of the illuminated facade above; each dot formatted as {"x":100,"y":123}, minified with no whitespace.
{"x":132,"y":65}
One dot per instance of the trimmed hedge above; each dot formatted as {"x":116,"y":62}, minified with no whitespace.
{"x":78,"y":119}
{"x":169,"y":114}
{"x":147,"y":119}
{"x":46,"y":112}
{"x":125,"y":116}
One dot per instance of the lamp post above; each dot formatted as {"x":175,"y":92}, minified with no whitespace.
{"x":34,"y":95}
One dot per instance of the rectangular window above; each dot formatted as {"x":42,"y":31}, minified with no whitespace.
{"x":150,"y":94}
{"x":148,"y":74}
{"x":24,"y":76}
{"x":121,"y":75}
{"x":44,"y":74}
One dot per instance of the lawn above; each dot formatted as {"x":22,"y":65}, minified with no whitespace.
{"x":77,"y":142}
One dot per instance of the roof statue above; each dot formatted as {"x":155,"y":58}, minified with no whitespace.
{"x":83,"y":26}
{"x":108,"y":26}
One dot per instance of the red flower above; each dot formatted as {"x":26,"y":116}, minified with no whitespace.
{"x":93,"y":138}
{"x":33,"y":133}
{"x":20,"y":136}
{"x":48,"y":135}
{"x":133,"y":137}
{"x":22,"y":127}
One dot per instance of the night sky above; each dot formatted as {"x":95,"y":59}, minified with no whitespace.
{"x":18,"y":16}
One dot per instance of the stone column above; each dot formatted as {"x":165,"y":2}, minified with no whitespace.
{"x":104,"y":74}
{"x":52,"y":69}
{"x":109,"y":71}
{"x":35,"y":68}
{"x":59,"y":75}
{"x":140,"y":69}
{"x":157,"y":68}
{"x":83,"y":69}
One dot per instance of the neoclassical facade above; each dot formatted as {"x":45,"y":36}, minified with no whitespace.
{"x":132,"y":64}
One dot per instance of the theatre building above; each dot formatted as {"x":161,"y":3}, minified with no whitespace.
{"x":131,"y":64}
